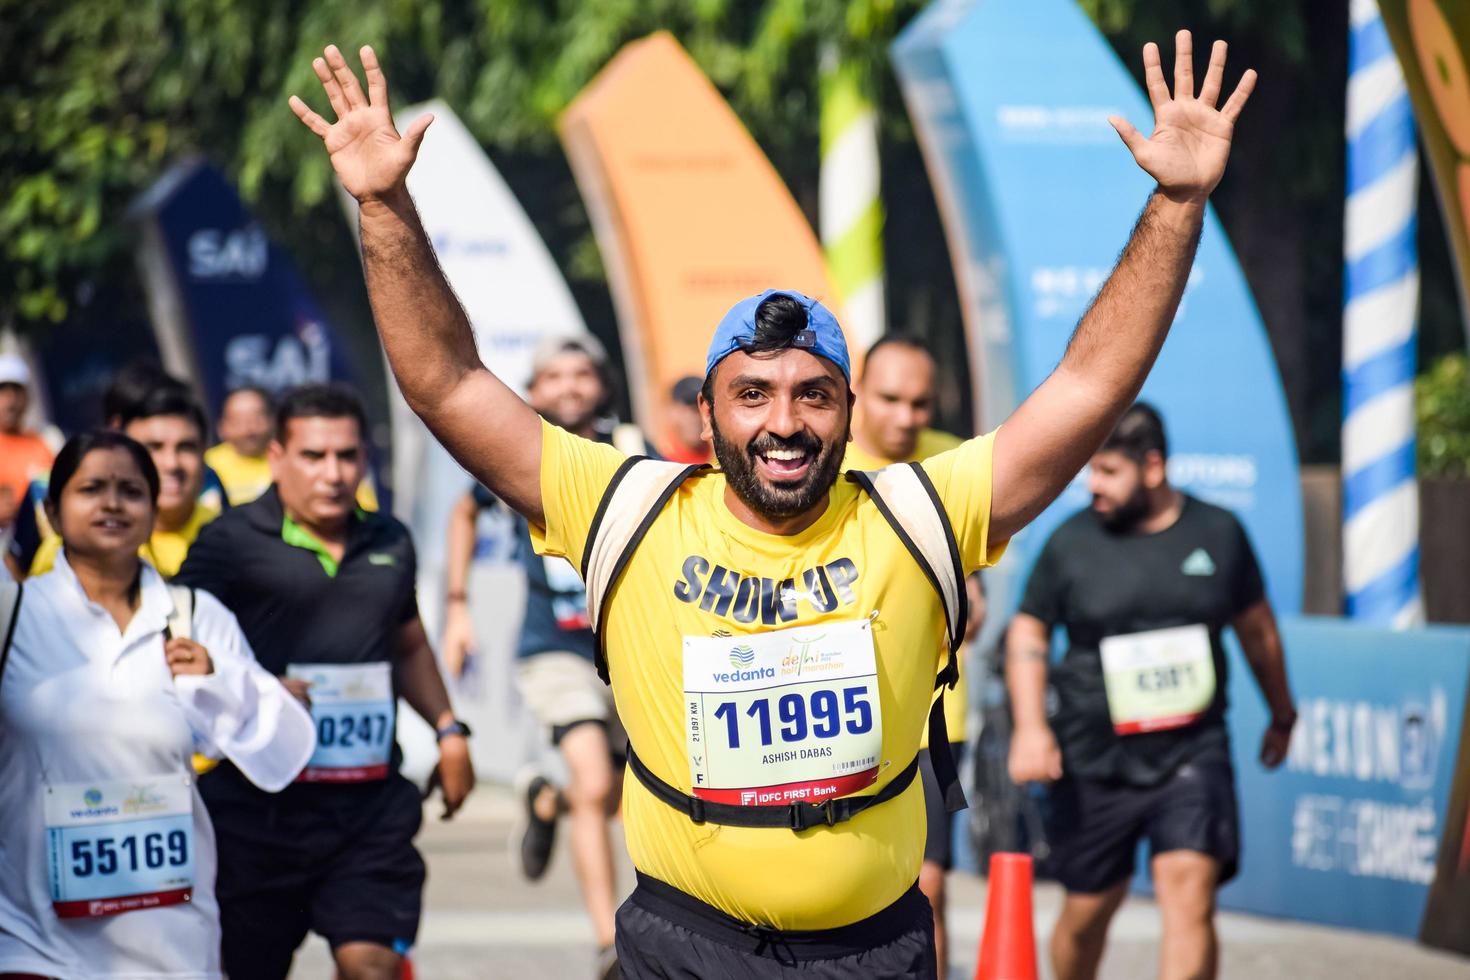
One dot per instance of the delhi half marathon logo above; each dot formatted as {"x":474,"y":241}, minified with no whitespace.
{"x":741,"y":657}
{"x":144,"y":799}
{"x":92,"y":797}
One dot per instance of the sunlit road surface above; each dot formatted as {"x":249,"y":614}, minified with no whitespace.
{"x":484,"y":922}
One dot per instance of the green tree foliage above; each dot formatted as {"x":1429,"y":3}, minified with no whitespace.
{"x":100,"y":95}
{"x":1442,"y":403}
{"x":110,"y":91}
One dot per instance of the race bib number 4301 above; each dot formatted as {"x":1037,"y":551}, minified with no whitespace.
{"x":353,"y":707}
{"x":780,"y":717}
{"x":1158,"y":680}
{"x":120,"y":845}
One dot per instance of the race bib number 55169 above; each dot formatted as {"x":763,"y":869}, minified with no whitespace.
{"x":785,"y":716}
{"x":120,"y":845}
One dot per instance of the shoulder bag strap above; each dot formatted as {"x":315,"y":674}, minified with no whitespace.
{"x":906,"y":498}
{"x":10,"y":593}
{"x":630,"y":504}
{"x":181,"y":620}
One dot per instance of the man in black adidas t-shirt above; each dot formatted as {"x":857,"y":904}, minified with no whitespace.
{"x":1144,"y":583}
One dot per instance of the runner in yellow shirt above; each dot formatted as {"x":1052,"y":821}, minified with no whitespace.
{"x":890,"y":424}
{"x":772,"y":642}
{"x":170,"y":425}
{"x":246,"y":423}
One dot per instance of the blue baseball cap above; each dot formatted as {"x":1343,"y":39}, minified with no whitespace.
{"x":822,"y":336}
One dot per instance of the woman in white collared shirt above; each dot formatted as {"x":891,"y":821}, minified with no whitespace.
{"x":107,"y":860}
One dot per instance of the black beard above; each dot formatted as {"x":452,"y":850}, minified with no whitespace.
{"x":782,"y":500}
{"x":1126,"y":517}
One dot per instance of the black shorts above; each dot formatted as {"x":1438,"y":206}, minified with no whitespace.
{"x":1094,"y":827}
{"x":939,"y":840}
{"x":348,"y":874}
{"x":664,"y":934}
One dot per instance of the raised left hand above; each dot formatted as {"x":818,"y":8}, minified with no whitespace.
{"x":454,"y":775}
{"x":1191,"y":139}
{"x":187,"y":657}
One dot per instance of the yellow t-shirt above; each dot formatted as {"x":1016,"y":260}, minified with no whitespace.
{"x":244,"y":477}
{"x":165,"y":550}
{"x":931,"y":442}
{"x":823,"y":877}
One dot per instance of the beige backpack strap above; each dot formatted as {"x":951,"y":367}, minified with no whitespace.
{"x":908,"y":501}
{"x":906,"y":498}
{"x":630,"y":504}
{"x":181,"y":620}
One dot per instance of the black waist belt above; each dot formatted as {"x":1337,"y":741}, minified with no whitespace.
{"x":800,"y":815}
{"x":667,"y":902}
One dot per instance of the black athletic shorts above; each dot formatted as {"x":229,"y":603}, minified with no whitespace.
{"x":347,"y":876}
{"x":939,"y":840}
{"x":1094,"y":827}
{"x":664,"y":934}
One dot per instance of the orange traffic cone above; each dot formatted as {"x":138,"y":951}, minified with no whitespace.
{"x":1008,"y":945}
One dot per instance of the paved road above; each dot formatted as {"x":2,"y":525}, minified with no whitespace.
{"x":483,"y":922}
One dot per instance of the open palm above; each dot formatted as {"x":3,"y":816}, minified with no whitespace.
{"x":1191,"y":139}
{"x":371,"y":159}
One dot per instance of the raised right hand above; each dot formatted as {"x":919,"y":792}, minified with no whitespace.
{"x":371,"y":159}
{"x":1035,"y":757}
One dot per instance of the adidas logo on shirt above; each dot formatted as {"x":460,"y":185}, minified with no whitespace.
{"x":1199,"y":562}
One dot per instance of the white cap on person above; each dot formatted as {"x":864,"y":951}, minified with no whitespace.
{"x":13,"y":371}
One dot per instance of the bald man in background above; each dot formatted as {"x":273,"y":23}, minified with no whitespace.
{"x":895,"y":404}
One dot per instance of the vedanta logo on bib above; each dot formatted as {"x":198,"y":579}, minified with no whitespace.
{"x":736,"y":676}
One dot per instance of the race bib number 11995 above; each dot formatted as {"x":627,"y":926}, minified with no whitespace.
{"x":785,"y":716}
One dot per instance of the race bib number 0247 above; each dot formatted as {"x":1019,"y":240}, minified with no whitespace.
{"x":353,"y":707}
{"x":780,"y":717}
{"x":120,"y":845}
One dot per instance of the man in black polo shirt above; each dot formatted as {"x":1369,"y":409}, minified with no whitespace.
{"x":325,"y":592}
{"x":1145,"y":582}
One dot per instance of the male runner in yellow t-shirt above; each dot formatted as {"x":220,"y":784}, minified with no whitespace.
{"x":774,"y":540}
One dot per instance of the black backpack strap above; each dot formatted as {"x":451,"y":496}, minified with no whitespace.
{"x":9,"y":616}
{"x":941,"y":757}
{"x":631,"y":503}
{"x":793,"y":816}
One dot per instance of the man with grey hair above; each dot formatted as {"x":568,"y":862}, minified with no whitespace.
{"x":570,"y":388}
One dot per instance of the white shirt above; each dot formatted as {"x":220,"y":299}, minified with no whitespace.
{"x":80,"y":701}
